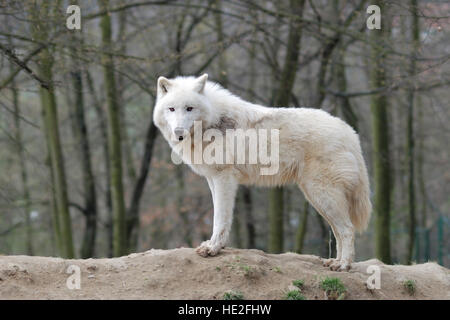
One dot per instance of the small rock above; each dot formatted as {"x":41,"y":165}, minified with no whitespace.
{"x":13,"y":269}
{"x":92,"y":268}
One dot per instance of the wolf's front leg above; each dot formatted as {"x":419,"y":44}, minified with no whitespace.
{"x":223,"y":191}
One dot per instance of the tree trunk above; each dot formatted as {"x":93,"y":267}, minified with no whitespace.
{"x":222,"y":60}
{"x":249,"y":221}
{"x":52,"y":207}
{"x":133,"y":211}
{"x":421,"y":179}
{"x":114,"y":137}
{"x":127,"y":150}
{"x":415,"y":34}
{"x":182,"y":212}
{"x":276,"y":220}
{"x":81,"y":135}
{"x":381,"y":156}
{"x":324,"y":61}
{"x":302,"y":227}
{"x":104,"y":139}
{"x":420,"y":163}
{"x":23,"y":169}
{"x":48,"y":102}
{"x":50,"y":113}
{"x":344,"y":102}
{"x":236,"y":227}
{"x":246,"y":191}
{"x":282,"y":100}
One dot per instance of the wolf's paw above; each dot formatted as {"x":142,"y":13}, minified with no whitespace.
{"x":340,"y":265}
{"x":208,"y":249}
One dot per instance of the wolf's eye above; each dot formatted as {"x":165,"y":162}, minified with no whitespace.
{"x":172,"y":109}
{"x":189,"y":108}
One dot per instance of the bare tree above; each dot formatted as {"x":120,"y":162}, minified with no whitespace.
{"x":114,"y":136}
{"x":380,"y":132}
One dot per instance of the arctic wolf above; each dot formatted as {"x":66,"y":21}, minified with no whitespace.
{"x":318,"y":152}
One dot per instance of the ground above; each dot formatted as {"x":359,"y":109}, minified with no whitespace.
{"x":182,"y":274}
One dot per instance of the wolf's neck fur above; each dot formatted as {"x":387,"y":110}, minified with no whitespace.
{"x":233,"y":106}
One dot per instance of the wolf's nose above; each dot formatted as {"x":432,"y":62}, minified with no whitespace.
{"x":179,"y":132}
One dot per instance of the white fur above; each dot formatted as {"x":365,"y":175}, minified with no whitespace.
{"x":318,"y":152}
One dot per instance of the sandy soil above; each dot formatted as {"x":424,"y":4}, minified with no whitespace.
{"x":182,"y":274}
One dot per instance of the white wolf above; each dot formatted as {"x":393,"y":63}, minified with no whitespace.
{"x":318,"y":152}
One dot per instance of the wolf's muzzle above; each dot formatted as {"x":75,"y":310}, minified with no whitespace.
{"x":179,"y":133}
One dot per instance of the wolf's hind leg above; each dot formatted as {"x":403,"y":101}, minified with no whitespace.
{"x":331,"y":203}
{"x":330,"y":261}
{"x":223,"y":191}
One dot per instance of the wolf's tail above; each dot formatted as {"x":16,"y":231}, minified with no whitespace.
{"x":359,"y":200}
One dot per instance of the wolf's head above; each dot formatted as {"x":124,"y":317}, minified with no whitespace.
{"x":180,"y":102}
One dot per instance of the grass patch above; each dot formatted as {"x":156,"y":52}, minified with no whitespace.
{"x":298,"y":283}
{"x":247,"y":269}
{"x":294,"y":295}
{"x":410,"y":286}
{"x":334,"y":288}
{"x":277,"y":269}
{"x":233,"y":295}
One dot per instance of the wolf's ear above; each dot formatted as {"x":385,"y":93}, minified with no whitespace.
{"x":163,"y":86}
{"x":200,"y":83}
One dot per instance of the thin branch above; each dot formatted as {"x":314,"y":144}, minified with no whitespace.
{"x":23,"y":65}
{"x":78,"y":207}
{"x":19,"y":115}
{"x":14,"y":226}
{"x":385,"y":90}
{"x":13,"y":74}
{"x":127,"y":6}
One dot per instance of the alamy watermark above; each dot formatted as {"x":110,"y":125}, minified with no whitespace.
{"x":237,"y":146}
{"x":73,"y":22}
{"x":73,"y":282}
{"x":374,"y":281}
{"x":374,"y":20}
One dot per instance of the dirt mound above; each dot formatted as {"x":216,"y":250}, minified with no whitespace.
{"x":182,"y":274}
